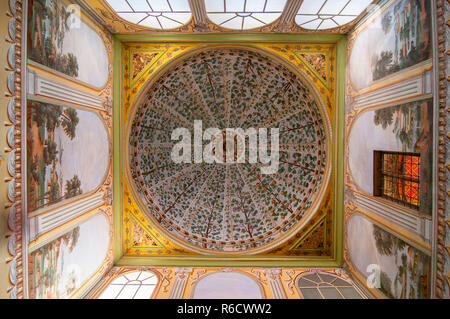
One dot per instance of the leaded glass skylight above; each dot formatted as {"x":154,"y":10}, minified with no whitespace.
{"x":244,"y":14}
{"x":157,"y":14}
{"x":328,"y":14}
{"x":132,"y":285}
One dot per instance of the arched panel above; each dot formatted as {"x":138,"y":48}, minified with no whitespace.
{"x":60,"y":39}
{"x":397,"y":268}
{"x":401,"y":128}
{"x":397,"y":37}
{"x":227,"y":285}
{"x":60,"y":268}
{"x":68,"y":153}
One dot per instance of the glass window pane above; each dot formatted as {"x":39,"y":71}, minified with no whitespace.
{"x":139,"y":5}
{"x":333,"y":7}
{"x":119,"y":280}
{"x":313,"y":25}
{"x":327,"y":278}
{"x":350,"y":293}
{"x":111,"y":292}
{"x":327,"y":24}
{"x":132,"y":275}
{"x":341,"y":283}
{"x":332,"y":13}
{"x":303,"y":282}
{"x":314,"y":277}
{"x":220,"y":18}
{"x":150,"y":281}
{"x":159,"y":5}
{"x":180,"y":5}
{"x":147,"y":13}
{"x":128,"y":292}
{"x":144,"y":292}
{"x":341,"y":20}
{"x":311,"y":6}
{"x":355,"y":7}
{"x":250,"y":14}
{"x":255,"y":5}
{"x":119,"y":5}
{"x":214,"y":5}
{"x":311,"y":293}
{"x":252,"y":23}
{"x":133,"y":17}
{"x":235,"y":23}
{"x":301,"y":19}
{"x":234,"y":5}
{"x":275,"y":5}
{"x":168,"y":23}
{"x":330,"y":293}
{"x":266,"y":17}
{"x":151,"y":22}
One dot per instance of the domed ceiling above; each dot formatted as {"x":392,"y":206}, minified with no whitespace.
{"x":223,"y":207}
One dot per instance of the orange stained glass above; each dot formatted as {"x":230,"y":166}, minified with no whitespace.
{"x":401,"y":175}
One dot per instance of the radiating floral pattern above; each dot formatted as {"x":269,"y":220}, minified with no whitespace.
{"x":228,"y":207}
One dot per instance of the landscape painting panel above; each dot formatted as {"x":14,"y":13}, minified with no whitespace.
{"x":399,"y":38}
{"x":404,"y":270}
{"x":67,"y":153}
{"x":59,"y":40}
{"x":402,"y":128}
{"x":61,"y":267}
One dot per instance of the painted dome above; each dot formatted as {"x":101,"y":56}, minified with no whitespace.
{"x":228,"y":207}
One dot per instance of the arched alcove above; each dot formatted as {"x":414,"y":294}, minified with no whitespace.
{"x":227,"y":285}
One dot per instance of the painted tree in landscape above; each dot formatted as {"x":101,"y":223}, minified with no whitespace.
{"x":384,"y":117}
{"x":50,"y":152}
{"x":411,"y":23}
{"x":49,"y":23}
{"x":406,"y":118}
{"x":69,"y":122}
{"x":386,"y":243}
{"x":73,"y":187}
{"x":385,"y":285}
{"x":45,"y":153}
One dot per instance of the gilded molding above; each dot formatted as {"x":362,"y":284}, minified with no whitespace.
{"x":15,"y":220}
{"x":442,"y":279}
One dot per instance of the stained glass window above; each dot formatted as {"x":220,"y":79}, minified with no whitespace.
{"x":321,"y":285}
{"x":397,"y":177}
{"x":328,"y":14}
{"x":157,"y":14}
{"x":244,"y":14}
{"x":132,"y":285}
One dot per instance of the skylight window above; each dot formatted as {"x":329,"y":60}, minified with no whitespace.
{"x":244,"y":14}
{"x":132,"y":285}
{"x":328,"y":14}
{"x":156,"y":14}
